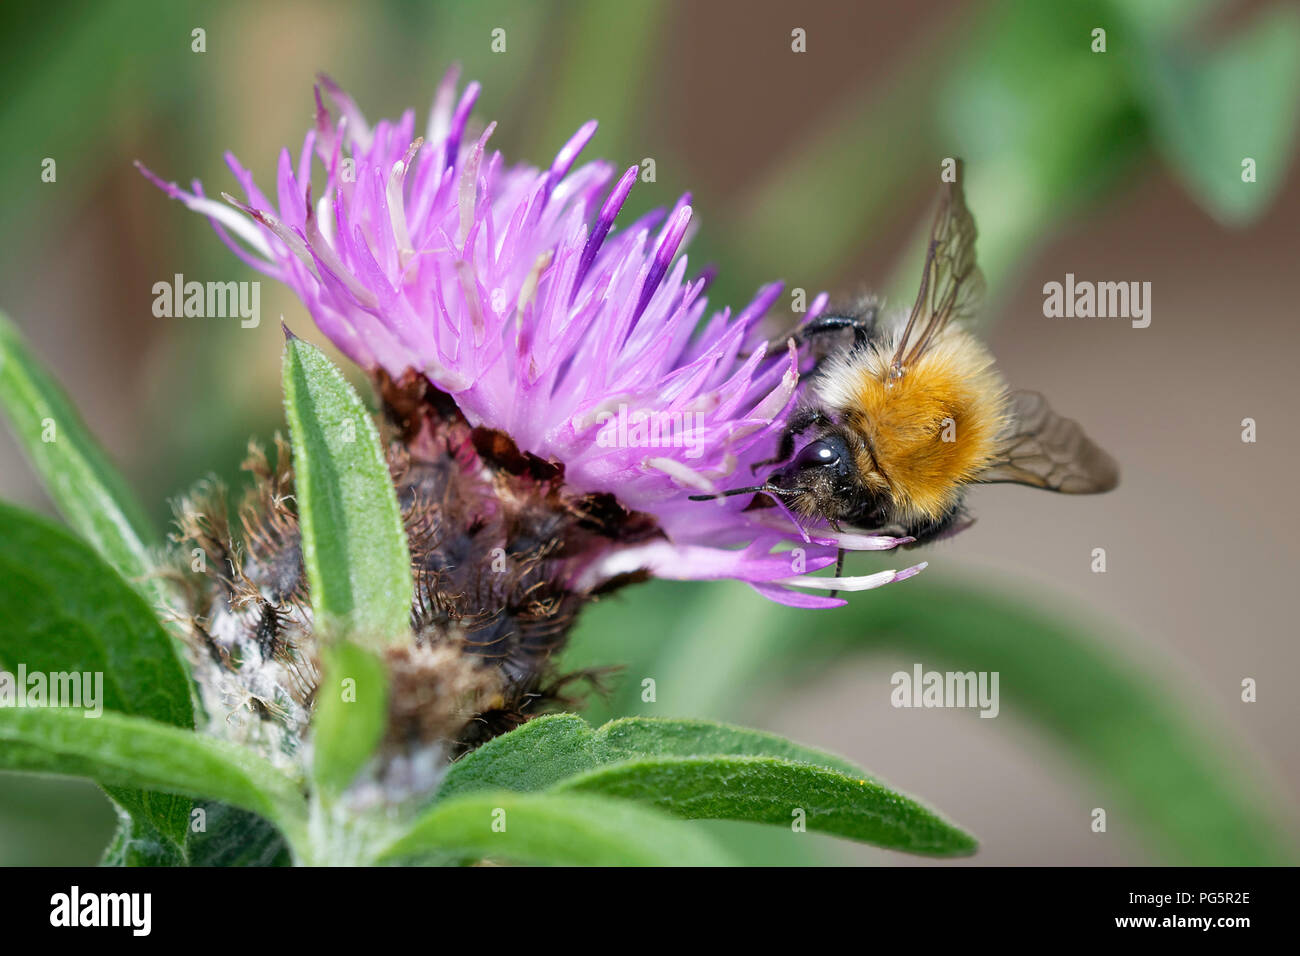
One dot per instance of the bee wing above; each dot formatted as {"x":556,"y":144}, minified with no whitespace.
{"x":1044,"y":450}
{"x":951,"y":284}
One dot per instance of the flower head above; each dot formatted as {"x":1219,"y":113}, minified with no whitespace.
{"x":512,"y":290}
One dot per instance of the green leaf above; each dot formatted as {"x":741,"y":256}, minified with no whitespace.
{"x":235,"y":837}
{"x":137,"y":843}
{"x":533,"y":757}
{"x":354,"y":543}
{"x":228,"y":837}
{"x":703,"y":770}
{"x":97,"y":502}
{"x":99,"y":505}
{"x":671,"y":737}
{"x":349,"y":719}
{"x":78,"y":475}
{"x":559,"y":829}
{"x":770,"y":790}
{"x":1172,"y":777}
{"x":1211,"y":113}
{"x":127,"y":751}
{"x":67,"y":612}
{"x":545,"y":751}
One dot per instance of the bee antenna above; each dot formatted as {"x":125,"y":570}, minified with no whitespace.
{"x":770,"y":489}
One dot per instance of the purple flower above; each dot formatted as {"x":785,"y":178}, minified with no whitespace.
{"x":511,"y":289}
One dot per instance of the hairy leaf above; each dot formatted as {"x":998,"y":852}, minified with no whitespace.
{"x":66,"y":612}
{"x":354,"y":543}
{"x":222,"y":836}
{"x":95,"y":500}
{"x":127,"y":751}
{"x":703,"y":770}
{"x":78,"y":475}
{"x":781,"y":792}
{"x":350,"y":714}
{"x":559,"y":829}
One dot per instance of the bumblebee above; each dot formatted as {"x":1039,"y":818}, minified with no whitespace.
{"x":902,"y":418}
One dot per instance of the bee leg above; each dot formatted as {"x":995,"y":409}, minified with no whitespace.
{"x":863,"y":324}
{"x":954,"y":521}
{"x":802,"y":420}
{"x":839,"y":557}
{"x":861,"y":321}
{"x":839,"y":569}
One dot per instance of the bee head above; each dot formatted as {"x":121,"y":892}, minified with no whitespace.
{"x":824,"y":479}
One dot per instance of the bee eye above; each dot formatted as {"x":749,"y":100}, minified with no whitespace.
{"x":822,"y":453}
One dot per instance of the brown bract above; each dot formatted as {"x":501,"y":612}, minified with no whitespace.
{"x":497,"y":540}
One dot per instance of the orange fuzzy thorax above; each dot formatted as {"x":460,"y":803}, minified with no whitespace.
{"x":953,"y":391}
